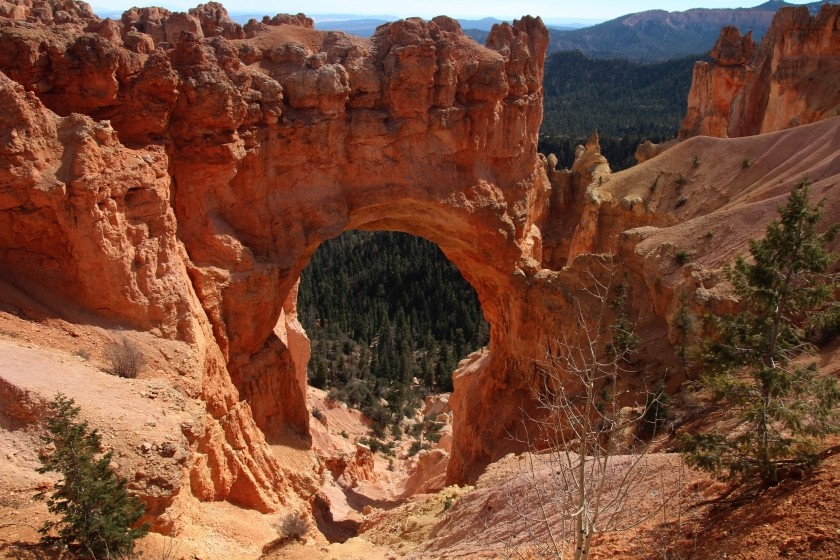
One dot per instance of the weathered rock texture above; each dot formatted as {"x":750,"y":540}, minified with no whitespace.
{"x":87,"y":227}
{"x":166,"y":175}
{"x":791,"y":78}
{"x":163,"y":174}
{"x":57,"y":12}
{"x":151,"y":459}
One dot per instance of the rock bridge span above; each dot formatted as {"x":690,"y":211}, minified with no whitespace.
{"x":174,"y":173}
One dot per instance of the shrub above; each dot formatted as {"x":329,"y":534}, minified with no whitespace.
{"x":682,"y":256}
{"x":292,"y":527}
{"x":448,"y":501}
{"x":125,"y":358}
{"x":396,"y":431}
{"x":97,"y":517}
{"x":415,"y":429}
{"x":684,"y":328}
{"x":334,"y":397}
{"x":318,"y":414}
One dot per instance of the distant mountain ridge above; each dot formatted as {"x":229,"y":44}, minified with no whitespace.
{"x":365,"y":27}
{"x":658,"y":35}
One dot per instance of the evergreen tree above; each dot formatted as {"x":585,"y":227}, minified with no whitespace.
{"x":624,"y":342}
{"x":97,"y":517}
{"x":444,"y":369}
{"x":751,"y":357}
{"x":320,"y":375}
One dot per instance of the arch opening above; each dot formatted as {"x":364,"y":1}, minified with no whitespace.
{"x":388,"y":318}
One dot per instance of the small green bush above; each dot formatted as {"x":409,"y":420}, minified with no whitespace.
{"x":414,"y":449}
{"x":656,"y":412}
{"x":97,"y":518}
{"x":448,"y":501}
{"x":292,"y":527}
{"x":415,"y":429}
{"x":396,"y":431}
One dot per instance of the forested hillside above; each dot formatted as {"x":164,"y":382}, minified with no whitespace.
{"x":626,"y":102}
{"x":382,"y":309}
{"x":658,"y":35}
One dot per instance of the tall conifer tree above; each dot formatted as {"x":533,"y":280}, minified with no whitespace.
{"x":97,"y":516}
{"x":752,"y":358}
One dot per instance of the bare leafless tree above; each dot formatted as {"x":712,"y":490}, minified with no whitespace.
{"x":591,"y":461}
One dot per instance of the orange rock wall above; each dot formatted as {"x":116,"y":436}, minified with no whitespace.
{"x":87,"y":228}
{"x":208,"y":168}
{"x":180,"y":182}
{"x":791,"y":78}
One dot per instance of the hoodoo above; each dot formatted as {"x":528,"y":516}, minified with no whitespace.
{"x":791,"y":78}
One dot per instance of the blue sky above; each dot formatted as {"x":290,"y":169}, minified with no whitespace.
{"x":502,"y":9}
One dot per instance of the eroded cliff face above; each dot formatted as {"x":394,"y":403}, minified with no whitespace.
{"x":174,"y":173}
{"x":87,"y":229}
{"x":791,"y":78}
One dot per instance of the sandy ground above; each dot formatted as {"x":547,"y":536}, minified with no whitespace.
{"x":43,"y":357}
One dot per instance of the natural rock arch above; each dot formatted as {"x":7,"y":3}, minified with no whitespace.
{"x":179,"y":188}
{"x":225,"y":162}
{"x":447,"y":157}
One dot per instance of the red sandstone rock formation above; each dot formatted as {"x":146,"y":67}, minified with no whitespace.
{"x":55,"y":12}
{"x":181,"y":187}
{"x":207,"y":170}
{"x":87,"y":228}
{"x":215,"y":21}
{"x":792,"y":78}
